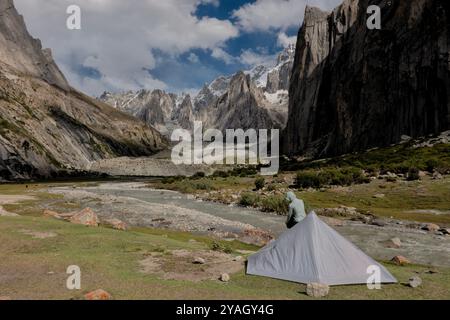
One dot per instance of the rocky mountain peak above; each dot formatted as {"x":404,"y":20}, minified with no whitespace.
{"x":24,"y":53}
{"x":314,"y":15}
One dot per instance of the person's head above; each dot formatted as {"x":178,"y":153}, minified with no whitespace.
{"x":290,"y":196}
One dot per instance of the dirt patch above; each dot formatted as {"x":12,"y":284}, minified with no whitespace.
{"x":38,"y":235}
{"x":179,"y":265}
{"x":11,"y":199}
{"x":4,"y":213}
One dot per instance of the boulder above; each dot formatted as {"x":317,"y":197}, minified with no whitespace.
{"x":400,"y":260}
{"x":116,"y":224}
{"x":445,"y":231}
{"x":85,"y":217}
{"x":437,"y":176}
{"x":431,"y":227}
{"x":379,"y":222}
{"x":415,"y":282}
{"x":98,"y":294}
{"x":51,"y":214}
{"x":317,"y":290}
{"x":199,"y":260}
{"x":224,"y":277}
{"x":393,"y":243}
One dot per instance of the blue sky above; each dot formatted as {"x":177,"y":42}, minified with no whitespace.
{"x":175,"y":45}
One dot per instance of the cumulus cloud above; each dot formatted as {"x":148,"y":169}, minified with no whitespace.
{"x":118,"y":37}
{"x":193,"y":58}
{"x":283,"y":40}
{"x":224,"y":56}
{"x":264,"y":15}
{"x":252,"y":58}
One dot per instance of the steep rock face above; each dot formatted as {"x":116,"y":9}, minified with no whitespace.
{"x":47,"y":127}
{"x":353,"y":88}
{"x":244,"y":106}
{"x":184,"y":115}
{"x":20,"y":51}
{"x":279,"y":77}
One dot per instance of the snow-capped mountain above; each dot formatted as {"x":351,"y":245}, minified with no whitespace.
{"x":262,"y":91}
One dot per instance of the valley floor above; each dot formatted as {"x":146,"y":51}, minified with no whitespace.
{"x":153,"y":261}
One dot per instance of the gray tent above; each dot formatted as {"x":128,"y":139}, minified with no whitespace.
{"x":314,"y":252}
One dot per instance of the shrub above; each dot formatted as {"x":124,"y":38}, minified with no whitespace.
{"x":413,"y":174}
{"x":198,"y":175}
{"x":307,"y":179}
{"x":203,"y":186}
{"x":260,"y":183}
{"x":244,"y":171}
{"x":276,"y":204}
{"x":216,"y":246}
{"x":221,"y":174}
{"x":330,"y":176}
{"x":249,"y":200}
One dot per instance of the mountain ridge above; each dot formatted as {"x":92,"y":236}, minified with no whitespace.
{"x":353,"y":88}
{"x":47,"y":128}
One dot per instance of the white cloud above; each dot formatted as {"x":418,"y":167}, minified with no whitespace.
{"x":117,"y":37}
{"x":193,"y":58}
{"x":253,"y":58}
{"x":284,"y":40}
{"x":221,"y":54}
{"x":276,"y":14}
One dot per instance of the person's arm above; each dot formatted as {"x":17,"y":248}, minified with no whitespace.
{"x":290,"y":214}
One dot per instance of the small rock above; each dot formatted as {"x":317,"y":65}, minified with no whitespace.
{"x":415,"y":282}
{"x":99,"y":294}
{"x":422,"y":174}
{"x":199,"y":260}
{"x":393,"y":243}
{"x":445,"y":230}
{"x":437,"y":176}
{"x":5,"y":298}
{"x":116,"y":224}
{"x":379,"y":196}
{"x":317,"y":290}
{"x":192,"y":241}
{"x":238,"y":258}
{"x":431,"y":227}
{"x":224,"y":277}
{"x":400,"y":260}
{"x":379,"y":222}
{"x":85,"y":217}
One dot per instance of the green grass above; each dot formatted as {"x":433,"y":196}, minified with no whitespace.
{"x":109,"y":259}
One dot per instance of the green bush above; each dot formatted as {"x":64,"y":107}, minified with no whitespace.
{"x":216,"y":246}
{"x":413,"y":174}
{"x":260,"y":183}
{"x":276,"y":204}
{"x":198,"y":175}
{"x":244,"y":171}
{"x":308,"y":179}
{"x":330,"y":176}
{"x":249,"y":200}
{"x":221,"y":174}
{"x":203,"y":186}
